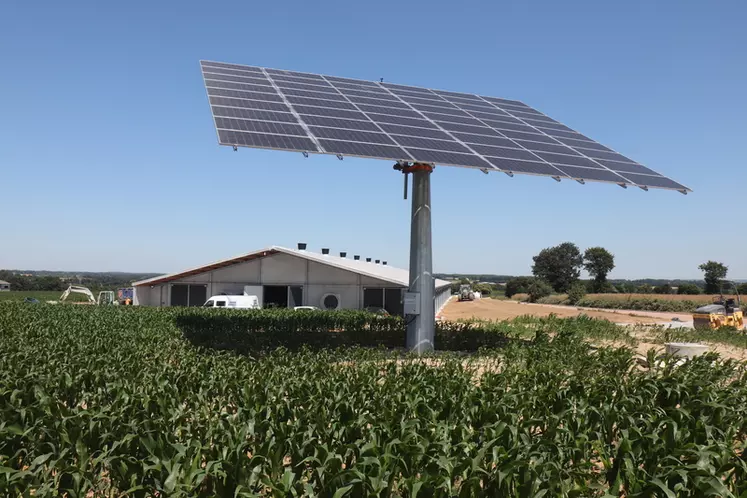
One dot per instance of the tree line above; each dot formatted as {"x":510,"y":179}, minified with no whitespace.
{"x":558,"y":269}
{"x":59,"y":281}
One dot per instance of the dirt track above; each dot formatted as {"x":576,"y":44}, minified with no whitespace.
{"x":493,"y":309}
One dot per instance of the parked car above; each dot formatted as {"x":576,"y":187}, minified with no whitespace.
{"x":238,"y":302}
{"x":376,"y":310}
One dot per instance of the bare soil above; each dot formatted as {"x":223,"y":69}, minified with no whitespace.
{"x":493,"y":309}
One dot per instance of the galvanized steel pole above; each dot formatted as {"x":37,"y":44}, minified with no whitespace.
{"x":420,"y":328}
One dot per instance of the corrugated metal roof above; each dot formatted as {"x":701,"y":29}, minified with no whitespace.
{"x":4,"y":282}
{"x":391,"y":274}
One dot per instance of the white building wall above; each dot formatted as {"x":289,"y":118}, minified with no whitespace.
{"x":317,"y":279}
{"x":442,"y":297}
{"x":349,"y":295}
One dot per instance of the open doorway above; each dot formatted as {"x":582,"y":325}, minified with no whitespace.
{"x":275,"y":296}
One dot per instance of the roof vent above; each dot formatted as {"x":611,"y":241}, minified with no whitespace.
{"x":368,"y":260}
{"x":383,"y":263}
{"x":302,"y":246}
{"x":343,"y":254}
{"x":356,"y":257}
{"x":378,"y":261}
{"x":325,"y":250}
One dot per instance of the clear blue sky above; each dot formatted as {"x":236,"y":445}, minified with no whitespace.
{"x":109,"y":159}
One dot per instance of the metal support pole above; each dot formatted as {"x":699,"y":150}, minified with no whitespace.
{"x":420,"y":328}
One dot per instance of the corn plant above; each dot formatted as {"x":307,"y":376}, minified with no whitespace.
{"x":127,"y":402}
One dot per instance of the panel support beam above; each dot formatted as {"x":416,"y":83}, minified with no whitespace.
{"x":421,"y":327}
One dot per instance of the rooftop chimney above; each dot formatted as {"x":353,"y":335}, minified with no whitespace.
{"x":343,"y":254}
{"x":325,"y":250}
{"x":383,"y":263}
{"x":302,"y":246}
{"x":378,"y":261}
{"x":368,"y":260}
{"x":356,"y":257}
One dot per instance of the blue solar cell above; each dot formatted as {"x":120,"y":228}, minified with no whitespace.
{"x":569,"y":160}
{"x":413,"y":131}
{"x":626,"y":167}
{"x":526,"y":167}
{"x":387,"y":118}
{"x":265,"y":140}
{"x":259,"y":80}
{"x":249,"y":104}
{"x":429,"y":143}
{"x":600,"y":175}
{"x":270,"y":95}
{"x":487,"y":150}
{"x":543,"y":147}
{"x":485,"y":140}
{"x":377,"y":102}
{"x":364,"y":149}
{"x":392,"y":111}
{"x":654,"y":181}
{"x":347,"y":124}
{"x":476,"y":130}
{"x":444,"y":157}
{"x":351,"y":135}
{"x":249,"y":87}
{"x":334,"y":104}
{"x":399,"y":122}
{"x":260,"y":126}
{"x":235,"y":112}
{"x":328,"y":112}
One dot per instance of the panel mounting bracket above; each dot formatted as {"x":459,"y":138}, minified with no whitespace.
{"x":683,"y":192}
{"x":509,"y":173}
{"x":235,"y":148}
{"x":305,"y":154}
{"x":643,"y":187}
{"x":581,"y":181}
{"x":556,"y":178}
{"x":623,"y":185}
{"x":339,"y":156}
{"x":484,"y":170}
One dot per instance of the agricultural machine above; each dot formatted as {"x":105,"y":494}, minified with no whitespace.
{"x":466,"y":293}
{"x":723,"y":312}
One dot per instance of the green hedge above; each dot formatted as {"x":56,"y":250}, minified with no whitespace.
{"x":258,"y":331}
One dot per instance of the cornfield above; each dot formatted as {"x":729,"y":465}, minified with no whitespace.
{"x":142,"y":402}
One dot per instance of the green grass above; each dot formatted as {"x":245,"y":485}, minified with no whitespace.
{"x":42,"y":296}
{"x":116,"y":401}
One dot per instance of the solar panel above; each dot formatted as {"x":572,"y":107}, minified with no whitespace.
{"x":312,"y":113}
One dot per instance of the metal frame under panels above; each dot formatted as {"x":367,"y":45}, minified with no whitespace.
{"x":375,"y":89}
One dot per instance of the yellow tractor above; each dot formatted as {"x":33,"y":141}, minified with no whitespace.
{"x":723,"y":312}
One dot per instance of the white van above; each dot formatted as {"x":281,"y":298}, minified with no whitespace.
{"x":239,"y":302}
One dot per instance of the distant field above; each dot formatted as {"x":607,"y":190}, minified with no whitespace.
{"x":699,"y":298}
{"x":40,"y":295}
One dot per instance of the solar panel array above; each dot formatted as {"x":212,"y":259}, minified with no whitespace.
{"x":312,"y":113}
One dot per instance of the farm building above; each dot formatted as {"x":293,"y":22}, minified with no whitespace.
{"x":4,"y":286}
{"x":286,"y":278}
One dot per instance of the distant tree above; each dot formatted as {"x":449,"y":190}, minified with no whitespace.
{"x":645,"y":289}
{"x":598,"y":261}
{"x":559,"y":266}
{"x":483,"y":289}
{"x":663,"y":289}
{"x":714,"y":273}
{"x":518,"y":285}
{"x":688,"y":289}
{"x":538,"y":289}
{"x":576,"y":292}
{"x":742,"y":289}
